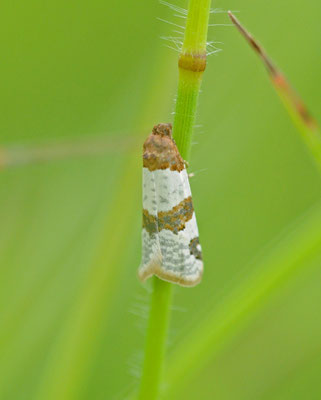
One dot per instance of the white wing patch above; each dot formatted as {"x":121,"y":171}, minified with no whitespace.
{"x":172,"y":187}
{"x":170,"y":236}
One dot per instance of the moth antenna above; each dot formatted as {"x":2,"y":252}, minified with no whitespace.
{"x":199,"y":170}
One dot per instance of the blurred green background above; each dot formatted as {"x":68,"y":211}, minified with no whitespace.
{"x":72,"y":311}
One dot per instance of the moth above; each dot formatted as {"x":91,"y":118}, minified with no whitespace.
{"x":170,"y":241}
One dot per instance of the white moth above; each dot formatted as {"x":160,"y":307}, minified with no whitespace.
{"x":171,"y":248}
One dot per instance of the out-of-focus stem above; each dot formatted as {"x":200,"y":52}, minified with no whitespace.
{"x":303,"y":120}
{"x":25,"y":154}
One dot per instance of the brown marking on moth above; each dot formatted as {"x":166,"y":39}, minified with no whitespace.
{"x":176,"y":218}
{"x":173,"y":220}
{"x":192,"y":62}
{"x":193,"y":248}
{"x":149,"y":222}
{"x":154,"y":268}
{"x":160,"y":150}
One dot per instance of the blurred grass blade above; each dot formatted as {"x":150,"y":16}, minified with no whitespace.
{"x":76,"y":347}
{"x":297,"y":110}
{"x":288,"y":258}
{"x":78,"y":341}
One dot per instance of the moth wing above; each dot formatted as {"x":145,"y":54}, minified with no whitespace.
{"x":182,"y":260}
{"x":190,"y":252}
{"x":179,"y":264}
{"x":166,"y":250}
{"x":151,"y":251}
{"x":172,"y":187}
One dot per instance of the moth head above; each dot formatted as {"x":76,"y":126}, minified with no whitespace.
{"x":163,"y":130}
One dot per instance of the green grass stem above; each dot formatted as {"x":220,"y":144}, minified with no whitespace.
{"x":156,"y":339}
{"x":192,"y":63}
